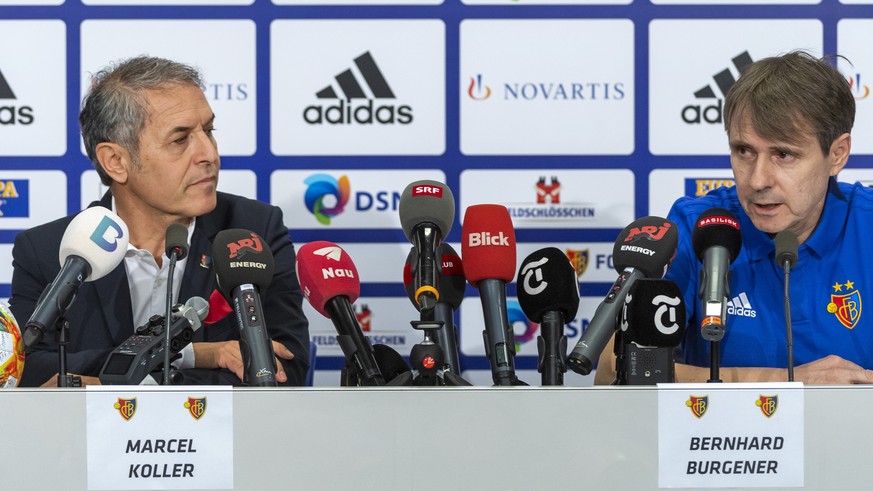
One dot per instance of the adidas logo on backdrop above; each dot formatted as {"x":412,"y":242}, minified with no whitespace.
{"x":355,"y":105}
{"x":698,"y":113}
{"x":12,"y":113}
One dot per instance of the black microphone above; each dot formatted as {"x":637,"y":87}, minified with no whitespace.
{"x":786,"y":257}
{"x":243,"y":268}
{"x":452,"y":285}
{"x":140,"y":354}
{"x":643,"y":249}
{"x":93,"y":244}
{"x":176,"y":248}
{"x":717,"y":241}
{"x":548,"y":293}
{"x":427,"y":210}
{"x":653,"y":324}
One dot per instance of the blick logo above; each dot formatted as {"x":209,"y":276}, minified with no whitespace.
{"x":106,"y":235}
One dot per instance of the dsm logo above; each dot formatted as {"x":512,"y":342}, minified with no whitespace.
{"x":14,"y":202}
{"x":327,"y":197}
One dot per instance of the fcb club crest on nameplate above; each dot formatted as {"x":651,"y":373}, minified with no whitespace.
{"x":845,"y":303}
{"x":698,"y":405}
{"x":196,"y":406}
{"x":768,"y":404}
{"x":126,"y":407}
{"x":579,"y":260}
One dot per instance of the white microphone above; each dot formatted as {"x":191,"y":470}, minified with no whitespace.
{"x":92,"y":246}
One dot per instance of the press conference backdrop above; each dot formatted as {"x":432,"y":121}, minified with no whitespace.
{"x":578,"y":115}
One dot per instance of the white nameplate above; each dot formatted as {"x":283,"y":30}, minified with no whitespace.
{"x":730,"y":435}
{"x":142,"y":437}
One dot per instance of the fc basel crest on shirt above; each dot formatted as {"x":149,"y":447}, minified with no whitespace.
{"x":845,"y":303}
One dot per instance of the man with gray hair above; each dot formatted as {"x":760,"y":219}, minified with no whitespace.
{"x":149,"y":132}
{"x":789,"y":120}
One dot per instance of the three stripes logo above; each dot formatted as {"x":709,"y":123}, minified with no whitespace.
{"x":740,"y":306}
{"x":10,"y":113}
{"x":723,"y":80}
{"x":364,"y":97}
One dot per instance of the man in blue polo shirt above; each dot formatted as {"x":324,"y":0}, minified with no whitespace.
{"x":788,"y":120}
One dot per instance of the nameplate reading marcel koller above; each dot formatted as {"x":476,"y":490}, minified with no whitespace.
{"x":730,"y":435}
{"x":147,"y":437}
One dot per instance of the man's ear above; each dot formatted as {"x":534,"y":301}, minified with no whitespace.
{"x":839,"y":153}
{"x":115,"y":160}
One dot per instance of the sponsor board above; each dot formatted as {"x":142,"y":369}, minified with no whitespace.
{"x":543,"y":104}
{"x":6,"y":266}
{"x":362,"y":92}
{"x":227,"y":66}
{"x":233,"y":181}
{"x":33,"y":96}
{"x":864,"y":176}
{"x":554,"y":198}
{"x":853,"y":41}
{"x":688,"y":80}
{"x":358,"y":2}
{"x":546,"y":2}
{"x":387,"y":321}
{"x":668,"y":185}
{"x":31,"y":2}
{"x":168,"y":2}
{"x":320,"y":199}
{"x":31,"y":198}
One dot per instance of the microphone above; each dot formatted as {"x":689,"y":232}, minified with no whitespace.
{"x":653,"y":324}
{"x":717,"y":241}
{"x":243,"y":268}
{"x":176,"y":248}
{"x":427,"y":210}
{"x":139,"y":355}
{"x":329,"y":281}
{"x":643,"y":249}
{"x":488,"y":248}
{"x":93,"y":245}
{"x":452,"y":285}
{"x":548,"y":293}
{"x":786,"y":257}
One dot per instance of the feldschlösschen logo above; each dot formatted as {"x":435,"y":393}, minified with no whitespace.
{"x":326,"y":197}
{"x":356,"y":105}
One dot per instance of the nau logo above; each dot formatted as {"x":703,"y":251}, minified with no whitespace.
{"x":710,"y":109}
{"x":702,"y":186}
{"x":14,"y":201}
{"x":768,"y":404}
{"x":548,"y":193}
{"x":698,"y":405}
{"x":355,"y":105}
{"x":845,"y":304}
{"x":196,"y":407}
{"x":10,"y":112}
{"x":126,"y":407}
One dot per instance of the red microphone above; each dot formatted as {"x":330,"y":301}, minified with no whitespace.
{"x":488,"y":249}
{"x":330,"y":282}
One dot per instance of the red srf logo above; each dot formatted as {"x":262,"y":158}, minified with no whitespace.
{"x":435,"y":191}
{"x":242,"y":247}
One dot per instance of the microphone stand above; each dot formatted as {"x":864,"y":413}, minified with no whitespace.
{"x":62,"y":326}
{"x":428,"y":361}
{"x":786,"y":265}
{"x":168,"y":318}
{"x":714,"y":362}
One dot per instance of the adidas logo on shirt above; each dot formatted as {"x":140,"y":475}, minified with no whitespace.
{"x":740,"y":306}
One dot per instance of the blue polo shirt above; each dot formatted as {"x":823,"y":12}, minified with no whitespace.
{"x":829,"y":286}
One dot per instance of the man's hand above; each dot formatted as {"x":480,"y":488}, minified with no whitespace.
{"x":226,"y":354}
{"x":86,"y":380}
{"x":832,"y":370}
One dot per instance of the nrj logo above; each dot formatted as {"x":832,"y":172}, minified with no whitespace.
{"x":477,"y":91}
{"x":326,"y":197}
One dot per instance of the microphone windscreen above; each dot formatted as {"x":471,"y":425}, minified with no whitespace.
{"x":654,"y":314}
{"x":452,"y":283}
{"x":547,"y":282}
{"x":98,"y":236}
{"x":648,"y":245}
{"x":240,"y":257}
{"x":488,"y":244}
{"x":325,"y":271}
{"x":786,"y":248}
{"x":717,"y":227}
{"x":427,"y":202}
{"x":177,"y":240}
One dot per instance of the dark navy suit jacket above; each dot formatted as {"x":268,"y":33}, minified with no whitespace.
{"x":101,"y":316}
